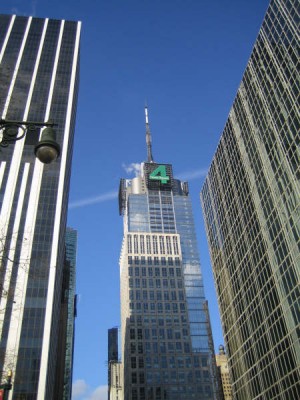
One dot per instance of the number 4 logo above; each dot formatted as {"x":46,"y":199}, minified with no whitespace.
{"x":160,"y":174}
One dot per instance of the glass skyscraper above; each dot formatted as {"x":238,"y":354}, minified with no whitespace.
{"x":68,"y":311}
{"x":71,"y":300}
{"x":251,"y":203}
{"x":167,"y":350}
{"x":112,"y":353}
{"x":39,"y":67}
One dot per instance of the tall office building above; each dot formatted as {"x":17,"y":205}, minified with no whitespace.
{"x":68,"y":313}
{"x":251,"y":205}
{"x":225,"y":387}
{"x":113,"y":354}
{"x":39,"y":61}
{"x":166,"y":342}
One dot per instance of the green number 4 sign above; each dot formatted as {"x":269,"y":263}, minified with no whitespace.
{"x":160,"y":174}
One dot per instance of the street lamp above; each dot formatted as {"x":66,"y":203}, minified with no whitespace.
{"x":46,"y":150}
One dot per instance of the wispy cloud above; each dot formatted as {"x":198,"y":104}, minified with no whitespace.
{"x":94,"y":200}
{"x":81,"y":391}
{"x":133,"y":167}
{"x":136,"y":169}
{"x":193,"y":174}
{"x":33,"y":7}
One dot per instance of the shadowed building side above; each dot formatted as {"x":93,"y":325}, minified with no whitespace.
{"x":39,"y":80}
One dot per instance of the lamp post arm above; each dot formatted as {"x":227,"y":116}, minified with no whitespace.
{"x":5,"y":122}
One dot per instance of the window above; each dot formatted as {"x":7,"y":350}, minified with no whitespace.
{"x":133,"y":362}
{"x":175,"y":245}
{"x":135,"y":244}
{"x":142,"y":244}
{"x":169,"y":247}
{"x":148,"y":244}
{"x":155,"y":247}
{"x":129,"y":244}
{"x":162,"y":245}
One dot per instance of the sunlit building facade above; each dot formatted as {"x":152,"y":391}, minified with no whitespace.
{"x":167,"y":350}
{"x":39,"y":61}
{"x":251,"y":204}
{"x":225,"y":387}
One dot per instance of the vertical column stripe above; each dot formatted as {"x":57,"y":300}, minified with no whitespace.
{"x":15,"y":163}
{"x":7,"y":37}
{"x":15,"y":321}
{"x":36,"y":183}
{"x":17,"y":155}
{"x":2,"y":170}
{"x":52,"y":272}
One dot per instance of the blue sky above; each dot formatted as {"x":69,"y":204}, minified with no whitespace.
{"x":185,"y":58}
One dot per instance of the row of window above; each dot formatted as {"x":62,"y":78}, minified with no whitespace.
{"x":157,"y":307}
{"x":157,"y":272}
{"x":146,"y":244}
{"x":153,"y":261}
{"x":155,"y":283}
{"x":145,"y":320}
{"x":158,"y":295}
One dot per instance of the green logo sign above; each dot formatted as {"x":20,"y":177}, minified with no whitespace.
{"x":160,"y":174}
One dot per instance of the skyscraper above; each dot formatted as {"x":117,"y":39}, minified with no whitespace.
{"x":71,"y":298}
{"x":38,"y":82}
{"x":166,"y":342}
{"x":251,"y":204}
{"x":225,"y":391}
{"x":113,"y":353}
{"x":68,"y":312}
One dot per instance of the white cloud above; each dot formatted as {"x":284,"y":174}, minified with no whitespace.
{"x":100,"y":393}
{"x":79,"y":388}
{"x":194,"y":174}
{"x":93,"y":200}
{"x":81,"y":391}
{"x":133,"y":167}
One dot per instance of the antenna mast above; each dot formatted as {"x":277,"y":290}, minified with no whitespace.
{"x":148,"y":137}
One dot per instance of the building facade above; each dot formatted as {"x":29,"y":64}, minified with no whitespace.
{"x":225,"y":387}
{"x":251,"y":206}
{"x":68,"y":311}
{"x":167,"y":349}
{"x":112,"y":354}
{"x":116,"y":381}
{"x":39,"y":67}
{"x":69,"y":297}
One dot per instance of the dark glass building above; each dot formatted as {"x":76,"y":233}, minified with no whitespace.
{"x":68,"y":312}
{"x":39,"y":67}
{"x":113,"y":353}
{"x":167,"y":350}
{"x":251,"y":204}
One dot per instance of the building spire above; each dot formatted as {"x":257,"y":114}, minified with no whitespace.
{"x":148,"y":137}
